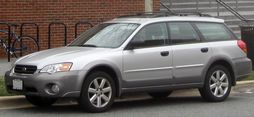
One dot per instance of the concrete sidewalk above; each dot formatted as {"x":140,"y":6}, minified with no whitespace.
{"x":14,"y":102}
{"x":5,"y":66}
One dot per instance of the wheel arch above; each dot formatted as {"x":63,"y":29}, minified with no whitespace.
{"x":224,"y":62}
{"x":112,"y":71}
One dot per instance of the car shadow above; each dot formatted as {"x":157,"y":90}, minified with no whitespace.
{"x":123,"y":105}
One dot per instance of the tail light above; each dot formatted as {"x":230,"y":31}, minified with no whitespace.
{"x":242,"y":45}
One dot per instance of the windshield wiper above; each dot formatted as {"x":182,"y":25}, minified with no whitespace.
{"x":85,"y":45}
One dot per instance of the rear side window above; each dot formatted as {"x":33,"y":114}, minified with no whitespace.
{"x":214,"y":31}
{"x":182,"y":32}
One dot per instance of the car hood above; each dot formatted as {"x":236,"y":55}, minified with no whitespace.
{"x":58,"y":55}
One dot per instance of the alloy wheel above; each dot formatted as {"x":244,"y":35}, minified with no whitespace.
{"x":99,"y":92}
{"x":219,"y":83}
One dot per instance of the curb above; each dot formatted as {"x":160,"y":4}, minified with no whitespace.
{"x":244,"y":82}
{"x":10,"y":97}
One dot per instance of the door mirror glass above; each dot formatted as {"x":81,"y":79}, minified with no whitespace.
{"x":135,"y":44}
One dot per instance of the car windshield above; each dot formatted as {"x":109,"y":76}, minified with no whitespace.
{"x":107,"y":35}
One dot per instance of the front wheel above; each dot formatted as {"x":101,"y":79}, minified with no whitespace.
{"x":217,"y":85}
{"x":40,"y":101}
{"x":98,"y":92}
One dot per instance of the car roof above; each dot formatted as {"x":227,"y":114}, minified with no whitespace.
{"x":141,"y":20}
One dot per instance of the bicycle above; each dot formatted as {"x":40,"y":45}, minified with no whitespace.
{"x":20,"y":45}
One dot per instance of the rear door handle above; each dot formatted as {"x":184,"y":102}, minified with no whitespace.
{"x":165,"y":53}
{"x":204,"y":50}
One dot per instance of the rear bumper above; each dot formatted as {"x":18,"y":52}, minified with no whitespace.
{"x":39,"y":84}
{"x":243,"y":68}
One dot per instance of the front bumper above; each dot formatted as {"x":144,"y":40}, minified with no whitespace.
{"x":38,"y":84}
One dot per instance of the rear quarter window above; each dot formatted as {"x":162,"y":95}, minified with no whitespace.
{"x":214,"y":31}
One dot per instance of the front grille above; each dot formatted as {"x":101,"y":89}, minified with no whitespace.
{"x":25,"y":69}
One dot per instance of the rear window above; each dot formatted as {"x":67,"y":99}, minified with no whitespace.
{"x":214,"y":31}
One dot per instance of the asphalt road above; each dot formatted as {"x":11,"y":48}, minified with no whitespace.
{"x":186,"y":103}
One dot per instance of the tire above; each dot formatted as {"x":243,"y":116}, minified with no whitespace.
{"x":160,"y":94}
{"x":217,"y":84}
{"x":24,"y":46}
{"x":101,"y":96}
{"x":40,"y":101}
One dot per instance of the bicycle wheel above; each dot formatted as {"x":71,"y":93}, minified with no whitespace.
{"x":4,"y":45}
{"x":4,"y":39}
{"x":24,"y":46}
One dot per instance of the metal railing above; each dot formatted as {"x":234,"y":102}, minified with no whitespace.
{"x":50,"y":32}
{"x":36,"y":38}
{"x":217,"y":5}
{"x":36,"y":35}
{"x":211,"y":4}
{"x":234,"y":12}
{"x":230,"y":9}
{"x":35,"y":25}
{"x":84,"y":22}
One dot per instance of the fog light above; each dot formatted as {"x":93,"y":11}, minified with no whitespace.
{"x":55,"y":88}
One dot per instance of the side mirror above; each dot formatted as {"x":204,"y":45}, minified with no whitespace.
{"x":134,"y":45}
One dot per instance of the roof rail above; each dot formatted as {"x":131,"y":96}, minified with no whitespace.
{"x":148,"y":14}
{"x":164,"y":14}
{"x":193,"y":13}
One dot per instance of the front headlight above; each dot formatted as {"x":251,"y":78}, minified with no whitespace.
{"x":59,"y":67}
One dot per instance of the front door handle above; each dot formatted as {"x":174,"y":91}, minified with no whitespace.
{"x":165,"y":53}
{"x":204,"y":50}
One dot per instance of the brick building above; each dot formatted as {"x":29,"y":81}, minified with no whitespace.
{"x":70,"y":12}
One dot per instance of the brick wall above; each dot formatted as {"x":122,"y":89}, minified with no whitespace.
{"x":69,"y":11}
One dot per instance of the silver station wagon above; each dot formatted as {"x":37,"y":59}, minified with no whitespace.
{"x":144,"y":53}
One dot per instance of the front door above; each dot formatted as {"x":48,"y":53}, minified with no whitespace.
{"x":149,"y":61}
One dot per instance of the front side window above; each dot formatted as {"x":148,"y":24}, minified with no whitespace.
{"x":151,"y":36}
{"x":214,"y":31}
{"x":108,"y":35}
{"x":182,"y":32}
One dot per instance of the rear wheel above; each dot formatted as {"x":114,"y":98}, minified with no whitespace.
{"x":160,"y":94}
{"x":24,"y":46}
{"x":98,"y":92}
{"x":40,"y":101}
{"x":217,"y":85}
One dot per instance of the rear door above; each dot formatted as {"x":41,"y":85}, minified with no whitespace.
{"x":189,"y":54}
